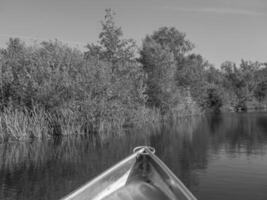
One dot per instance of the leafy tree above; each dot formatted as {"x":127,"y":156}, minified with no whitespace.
{"x":161,"y":54}
{"x":14,"y":71}
{"x":242,"y":81}
{"x":111,"y":46}
{"x":159,"y":65}
{"x":261,"y":89}
{"x":170,"y":39}
{"x":122,"y":76}
{"x":214,"y":76}
{"x":212,"y":98}
{"x":192,"y":72}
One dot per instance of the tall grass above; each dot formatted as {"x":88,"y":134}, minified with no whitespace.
{"x":18,"y":124}
{"x":21,"y":124}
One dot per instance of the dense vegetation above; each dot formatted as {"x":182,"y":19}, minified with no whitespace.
{"x":51,"y":89}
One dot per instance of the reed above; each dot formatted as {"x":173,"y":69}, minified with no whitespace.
{"x":148,"y":117}
{"x":23,"y":124}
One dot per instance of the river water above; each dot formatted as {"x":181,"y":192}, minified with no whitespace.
{"x":221,"y":157}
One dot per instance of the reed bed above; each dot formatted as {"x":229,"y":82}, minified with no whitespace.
{"x":17,"y":124}
{"x":21,"y":124}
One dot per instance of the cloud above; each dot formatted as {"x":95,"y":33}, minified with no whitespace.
{"x":217,"y":11}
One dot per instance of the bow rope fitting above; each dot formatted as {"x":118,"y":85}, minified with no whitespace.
{"x":145,"y":150}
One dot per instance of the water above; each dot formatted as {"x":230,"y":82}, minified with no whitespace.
{"x":222,"y":157}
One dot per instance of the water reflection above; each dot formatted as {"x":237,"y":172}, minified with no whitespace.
{"x":209,"y":154}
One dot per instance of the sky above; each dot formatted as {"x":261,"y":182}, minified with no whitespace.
{"x":220,"y":29}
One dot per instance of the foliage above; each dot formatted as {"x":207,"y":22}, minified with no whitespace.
{"x":169,"y":38}
{"x":213,"y":98}
{"x":260,"y":92}
{"x":162,"y":55}
{"x":243,"y":81}
{"x":122,"y":92}
{"x":51,"y":89}
{"x":96,"y":92}
{"x":159,"y":66}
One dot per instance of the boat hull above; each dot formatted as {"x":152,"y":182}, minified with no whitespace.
{"x":141,"y":176}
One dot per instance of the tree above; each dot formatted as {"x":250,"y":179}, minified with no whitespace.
{"x":170,"y":39}
{"x":214,"y":76}
{"x":169,"y":68}
{"x":261,"y":89}
{"x":212,"y":98}
{"x":118,"y":85}
{"x":111,"y":46}
{"x":14,"y":62}
{"x":242,"y":81}
{"x":159,"y":66}
{"x":190,"y":71}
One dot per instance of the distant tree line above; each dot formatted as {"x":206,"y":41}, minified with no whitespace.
{"x":115,"y":84}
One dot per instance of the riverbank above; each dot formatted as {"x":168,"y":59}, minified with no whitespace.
{"x":250,"y":106}
{"x":50,"y":89}
{"x":37,"y":124}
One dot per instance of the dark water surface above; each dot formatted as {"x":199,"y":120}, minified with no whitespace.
{"x":221,"y":157}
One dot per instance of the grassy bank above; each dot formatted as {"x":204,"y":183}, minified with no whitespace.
{"x":22,"y":124}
